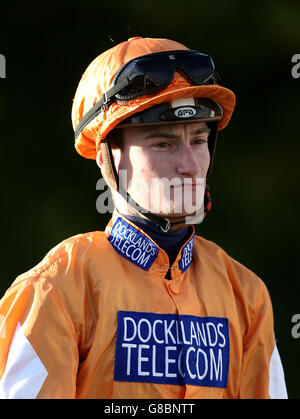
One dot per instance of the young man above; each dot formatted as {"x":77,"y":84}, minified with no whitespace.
{"x":146,"y":309}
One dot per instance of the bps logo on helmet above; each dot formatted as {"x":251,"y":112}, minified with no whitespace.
{"x":185,"y":112}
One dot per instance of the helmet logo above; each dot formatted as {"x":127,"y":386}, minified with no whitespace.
{"x":185,"y":112}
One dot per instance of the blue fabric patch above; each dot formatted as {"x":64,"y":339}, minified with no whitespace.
{"x":172,"y":349}
{"x":132,"y":244}
{"x":186,"y":255}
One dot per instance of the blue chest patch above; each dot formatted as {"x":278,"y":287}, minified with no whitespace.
{"x":132,"y":244}
{"x":172,"y":349}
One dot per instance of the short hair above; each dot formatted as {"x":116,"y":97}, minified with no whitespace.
{"x":115,"y":138}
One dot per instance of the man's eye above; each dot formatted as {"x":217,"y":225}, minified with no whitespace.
{"x":200,"y":141}
{"x":162,"y":145}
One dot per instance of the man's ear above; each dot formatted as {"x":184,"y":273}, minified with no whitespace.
{"x":107,"y":165}
{"x":116,"y":156}
{"x":99,"y":158}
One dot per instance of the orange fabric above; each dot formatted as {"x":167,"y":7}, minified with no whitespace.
{"x":98,"y":78}
{"x":67,"y":306}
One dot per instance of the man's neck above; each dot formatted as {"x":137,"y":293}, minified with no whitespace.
{"x":170,"y":242}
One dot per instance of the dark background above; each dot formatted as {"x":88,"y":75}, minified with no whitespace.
{"x":48,"y":192}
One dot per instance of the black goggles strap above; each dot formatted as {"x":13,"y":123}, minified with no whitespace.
{"x":104,"y":102}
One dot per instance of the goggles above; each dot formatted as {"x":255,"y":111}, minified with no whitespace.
{"x":151,"y":73}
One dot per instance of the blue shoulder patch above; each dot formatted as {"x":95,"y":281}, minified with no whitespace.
{"x":132,"y":244}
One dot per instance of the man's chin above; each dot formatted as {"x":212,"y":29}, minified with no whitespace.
{"x":187,"y":212}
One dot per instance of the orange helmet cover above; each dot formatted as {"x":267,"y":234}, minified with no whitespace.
{"x":98,"y":79}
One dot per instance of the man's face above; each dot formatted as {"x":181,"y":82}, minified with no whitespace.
{"x":164,"y":168}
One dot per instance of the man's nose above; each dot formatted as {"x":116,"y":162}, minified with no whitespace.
{"x":188,"y":164}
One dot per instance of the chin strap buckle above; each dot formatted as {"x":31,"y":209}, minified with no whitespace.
{"x":165,"y":225}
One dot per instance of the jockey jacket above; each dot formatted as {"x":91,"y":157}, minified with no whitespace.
{"x":97,"y":318}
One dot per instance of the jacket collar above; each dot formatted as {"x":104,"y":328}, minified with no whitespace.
{"x":132,"y":243}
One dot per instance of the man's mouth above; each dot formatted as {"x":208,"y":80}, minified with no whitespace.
{"x":191,"y":183}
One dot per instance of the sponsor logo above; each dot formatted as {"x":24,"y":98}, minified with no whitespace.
{"x":138,"y":249}
{"x":185,"y":112}
{"x":172,"y":349}
{"x":132,"y":244}
{"x":186,"y":255}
